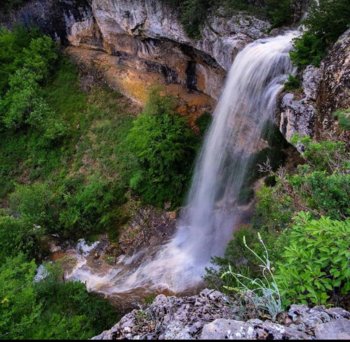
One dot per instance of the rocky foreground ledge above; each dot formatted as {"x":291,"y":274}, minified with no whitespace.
{"x":210,"y":315}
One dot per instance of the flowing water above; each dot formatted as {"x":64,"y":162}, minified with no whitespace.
{"x":212,"y":211}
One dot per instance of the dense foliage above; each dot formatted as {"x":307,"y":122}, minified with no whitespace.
{"x":164,"y":147}
{"x":314,"y":266}
{"x":43,"y":188}
{"x":50,"y":309}
{"x":327,"y":20}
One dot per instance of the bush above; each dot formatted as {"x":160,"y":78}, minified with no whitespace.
{"x":238,"y":259}
{"x":343,"y":117}
{"x":33,"y":64}
{"x":18,"y":236}
{"x":327,"y":20}
{"x":324,"y":194}
{"x":279,"y":12}
{"x":314,"y":266}
{"x":87,"y":208}
{"x":292,"y":83}
{"x":328,"y":155}
{"x":50,"y":309}
{"x":193,"y":13}
{"x":261,"y":293}
{"x":274,"y":208}
{"x":164,"y":147}
{"x":69,"y":311}
{"x":34,"y":204}
{"x":308,"y":49}
{"x":19,"y":308}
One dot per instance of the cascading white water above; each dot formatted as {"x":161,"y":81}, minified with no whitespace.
{"x":206,"y":224}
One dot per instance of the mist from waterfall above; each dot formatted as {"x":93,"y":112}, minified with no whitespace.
{"x":212,"y":210}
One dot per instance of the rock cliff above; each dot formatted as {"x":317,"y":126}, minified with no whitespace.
{"x":137,"y":44}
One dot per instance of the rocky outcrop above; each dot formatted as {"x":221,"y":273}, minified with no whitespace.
{"x":211,"y":315}
{"x":298,"y":110}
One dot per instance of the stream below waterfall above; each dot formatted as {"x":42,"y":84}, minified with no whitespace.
{"x":213,"y":208}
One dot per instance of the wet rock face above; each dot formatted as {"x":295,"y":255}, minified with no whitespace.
{"x":211,"y":315}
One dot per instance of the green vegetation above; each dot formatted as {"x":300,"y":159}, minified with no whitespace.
{"x":164,"y":147}
{"x":67,"y":159}
{"x":325,"y":23}
{"x":50,"y":309}
{"x":292,"y":83}
{"x":303,"y":219}
{"x":314,"y":266}
{"x":343,"y":117}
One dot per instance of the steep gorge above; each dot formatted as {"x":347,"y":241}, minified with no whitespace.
{"x":134,"y":45}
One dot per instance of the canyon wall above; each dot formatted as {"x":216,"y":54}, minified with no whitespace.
{"x":136,"y":44}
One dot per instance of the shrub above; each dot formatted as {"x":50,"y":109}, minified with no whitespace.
{"x":324,"y":194}
{"x":50,"y":309}
{"x":69,"y":310}
{"x":164,"y":147}
{"x":308,"y":49}
{"x":18,"y":236}
{"x":327,"y":20}
{"x":292,"y":83}
{"x":34,"y":204}
{"x":343,"y":117}
{"x":12,"y":44}
{"x":33,"y":65}
{"x":19,"y":308}
{"x":279,"y":12}
{"x":274,"y":208}
{"x":330,"y":156}
{"x":314,"y":266}
{"x":87,"y":207}
{"x":239,"y":259}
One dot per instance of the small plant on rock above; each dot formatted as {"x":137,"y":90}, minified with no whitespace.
{"x":261,"y":293}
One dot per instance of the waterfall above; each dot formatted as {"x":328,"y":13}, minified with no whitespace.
{"x":212,"y":211}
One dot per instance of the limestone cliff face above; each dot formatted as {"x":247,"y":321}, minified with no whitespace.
{"x":149,"y":38}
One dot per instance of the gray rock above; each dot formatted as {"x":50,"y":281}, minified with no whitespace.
{"x":335,"y":330}
{"x":225,"y":329}
{"x":297,"y":116}
{"x":210,"y":315}
{"x":311,"y":82}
